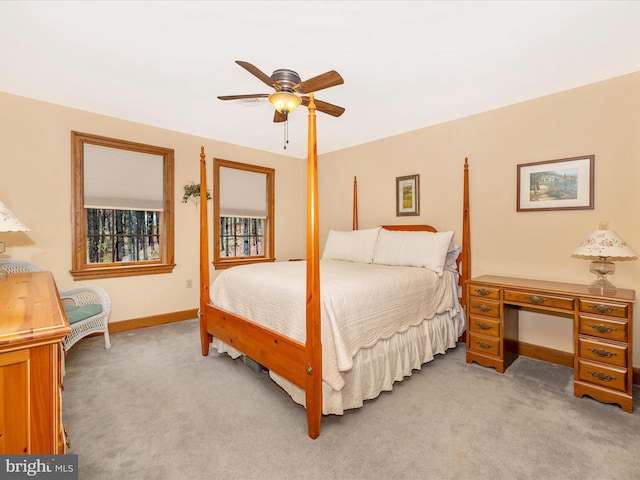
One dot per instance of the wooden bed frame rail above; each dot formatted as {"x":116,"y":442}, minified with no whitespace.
{"x":299,"y":363}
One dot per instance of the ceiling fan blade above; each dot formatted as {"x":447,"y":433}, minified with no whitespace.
{"x":239,"y":97}
{"x":279,"y":117}
{"x":255,"y":71}
{"x":326,"y":80}
{"x":324,"y":107}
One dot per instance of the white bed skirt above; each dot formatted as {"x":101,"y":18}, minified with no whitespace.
{"x":375,"y":369}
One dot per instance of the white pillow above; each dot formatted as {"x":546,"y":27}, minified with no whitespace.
{"x":413,"y":249}
{"x":352,"y":246}
{"x":452,"y":255}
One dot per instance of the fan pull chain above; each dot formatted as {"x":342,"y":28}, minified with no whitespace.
{"x":286,"y":133}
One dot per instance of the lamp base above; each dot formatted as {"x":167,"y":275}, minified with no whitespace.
{"x":602,"y":286}
{"x":3,"y":273}
{"x":602,"y":267}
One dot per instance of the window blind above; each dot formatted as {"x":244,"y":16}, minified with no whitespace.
{"x":242,"y":193}
{"x":122,"y":179}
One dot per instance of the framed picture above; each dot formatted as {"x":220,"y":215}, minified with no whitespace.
{"x":408,"y":195}
{"x":565,"y":184}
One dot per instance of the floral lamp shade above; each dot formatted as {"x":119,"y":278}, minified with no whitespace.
{"x":9,"y":222}
{"x":604,"y":243}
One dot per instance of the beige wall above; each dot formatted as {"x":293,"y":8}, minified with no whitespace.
{"x":601,"y":119}
{"x":35,"y":183}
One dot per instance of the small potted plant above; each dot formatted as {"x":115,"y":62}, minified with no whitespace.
{"x":192,"y":192}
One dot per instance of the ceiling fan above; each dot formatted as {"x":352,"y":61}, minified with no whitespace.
{"x":290,"y":90}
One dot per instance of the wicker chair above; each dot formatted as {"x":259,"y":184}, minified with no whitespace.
{"x":74,"y":301}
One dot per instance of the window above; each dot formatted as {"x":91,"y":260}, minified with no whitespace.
{"x":122,"y":211}
{"x":243,"y":213}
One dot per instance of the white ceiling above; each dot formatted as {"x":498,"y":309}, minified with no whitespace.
{"x":406,"y":65}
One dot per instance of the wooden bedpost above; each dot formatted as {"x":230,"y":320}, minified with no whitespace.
{"x":313,"y":346}
{"x":205,"y":338}
{"x":355,"y":203}
{"x":466,"y":237}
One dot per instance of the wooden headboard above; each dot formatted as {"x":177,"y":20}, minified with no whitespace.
{"x":411,"y":228}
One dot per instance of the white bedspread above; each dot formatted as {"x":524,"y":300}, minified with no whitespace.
{"x":361,"y":304}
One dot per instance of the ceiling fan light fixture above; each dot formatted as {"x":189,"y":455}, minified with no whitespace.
{"x":285,"y":102}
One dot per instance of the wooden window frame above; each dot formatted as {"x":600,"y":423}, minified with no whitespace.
{"x":81,"y":270}
{"x":221,"y":263}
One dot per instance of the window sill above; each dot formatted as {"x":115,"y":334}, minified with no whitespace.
{"x":121,"y":271}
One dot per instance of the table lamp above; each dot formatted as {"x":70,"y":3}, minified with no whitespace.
{"x":8,"y":223}
{"x":602,"y":246}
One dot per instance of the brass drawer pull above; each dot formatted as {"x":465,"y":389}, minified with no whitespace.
{"x":483,"y":291}
{"x":536,"y":299}
{"x":601,"y":376}
{"x":601,"y":328}
{"x":483,"y":326}
{"x":484,"y":345}
{"x":602,"y":308}
{"x":601,"y":352}
{"x":483,"y":308}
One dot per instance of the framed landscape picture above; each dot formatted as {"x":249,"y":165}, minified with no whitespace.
{"x":565,"y":184}
{"x":408,"y":195}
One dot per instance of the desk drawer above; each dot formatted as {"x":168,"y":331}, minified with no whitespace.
{"x":481,"y":306}
{"x":610,"y":309}
{"x":599,"y":374}
{"x":539,"y":300}
{"x":602,"y":352}
{"x":609,"y":328}
{"x":484,"y":344}
{"x":483,"y":291}
{"x":485,"y":326}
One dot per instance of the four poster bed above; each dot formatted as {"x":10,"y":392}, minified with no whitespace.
{"x":390,"y":302}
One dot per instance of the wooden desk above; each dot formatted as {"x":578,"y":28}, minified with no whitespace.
{"x":32,"y":325}
{"x":602,"y":330}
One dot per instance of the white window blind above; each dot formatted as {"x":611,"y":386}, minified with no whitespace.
{"x":122,"y":179}
{"x":242,"y":193}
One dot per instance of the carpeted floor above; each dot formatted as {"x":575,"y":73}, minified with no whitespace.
{"x":153,"y":407}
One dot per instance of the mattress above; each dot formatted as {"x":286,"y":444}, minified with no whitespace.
{"x":379,"y":322}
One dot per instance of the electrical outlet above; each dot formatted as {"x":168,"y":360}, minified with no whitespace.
{"x":189,"y":283}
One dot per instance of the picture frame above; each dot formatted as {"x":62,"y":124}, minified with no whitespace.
{"x":564,"y":184}
{"x":408,"y":195}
